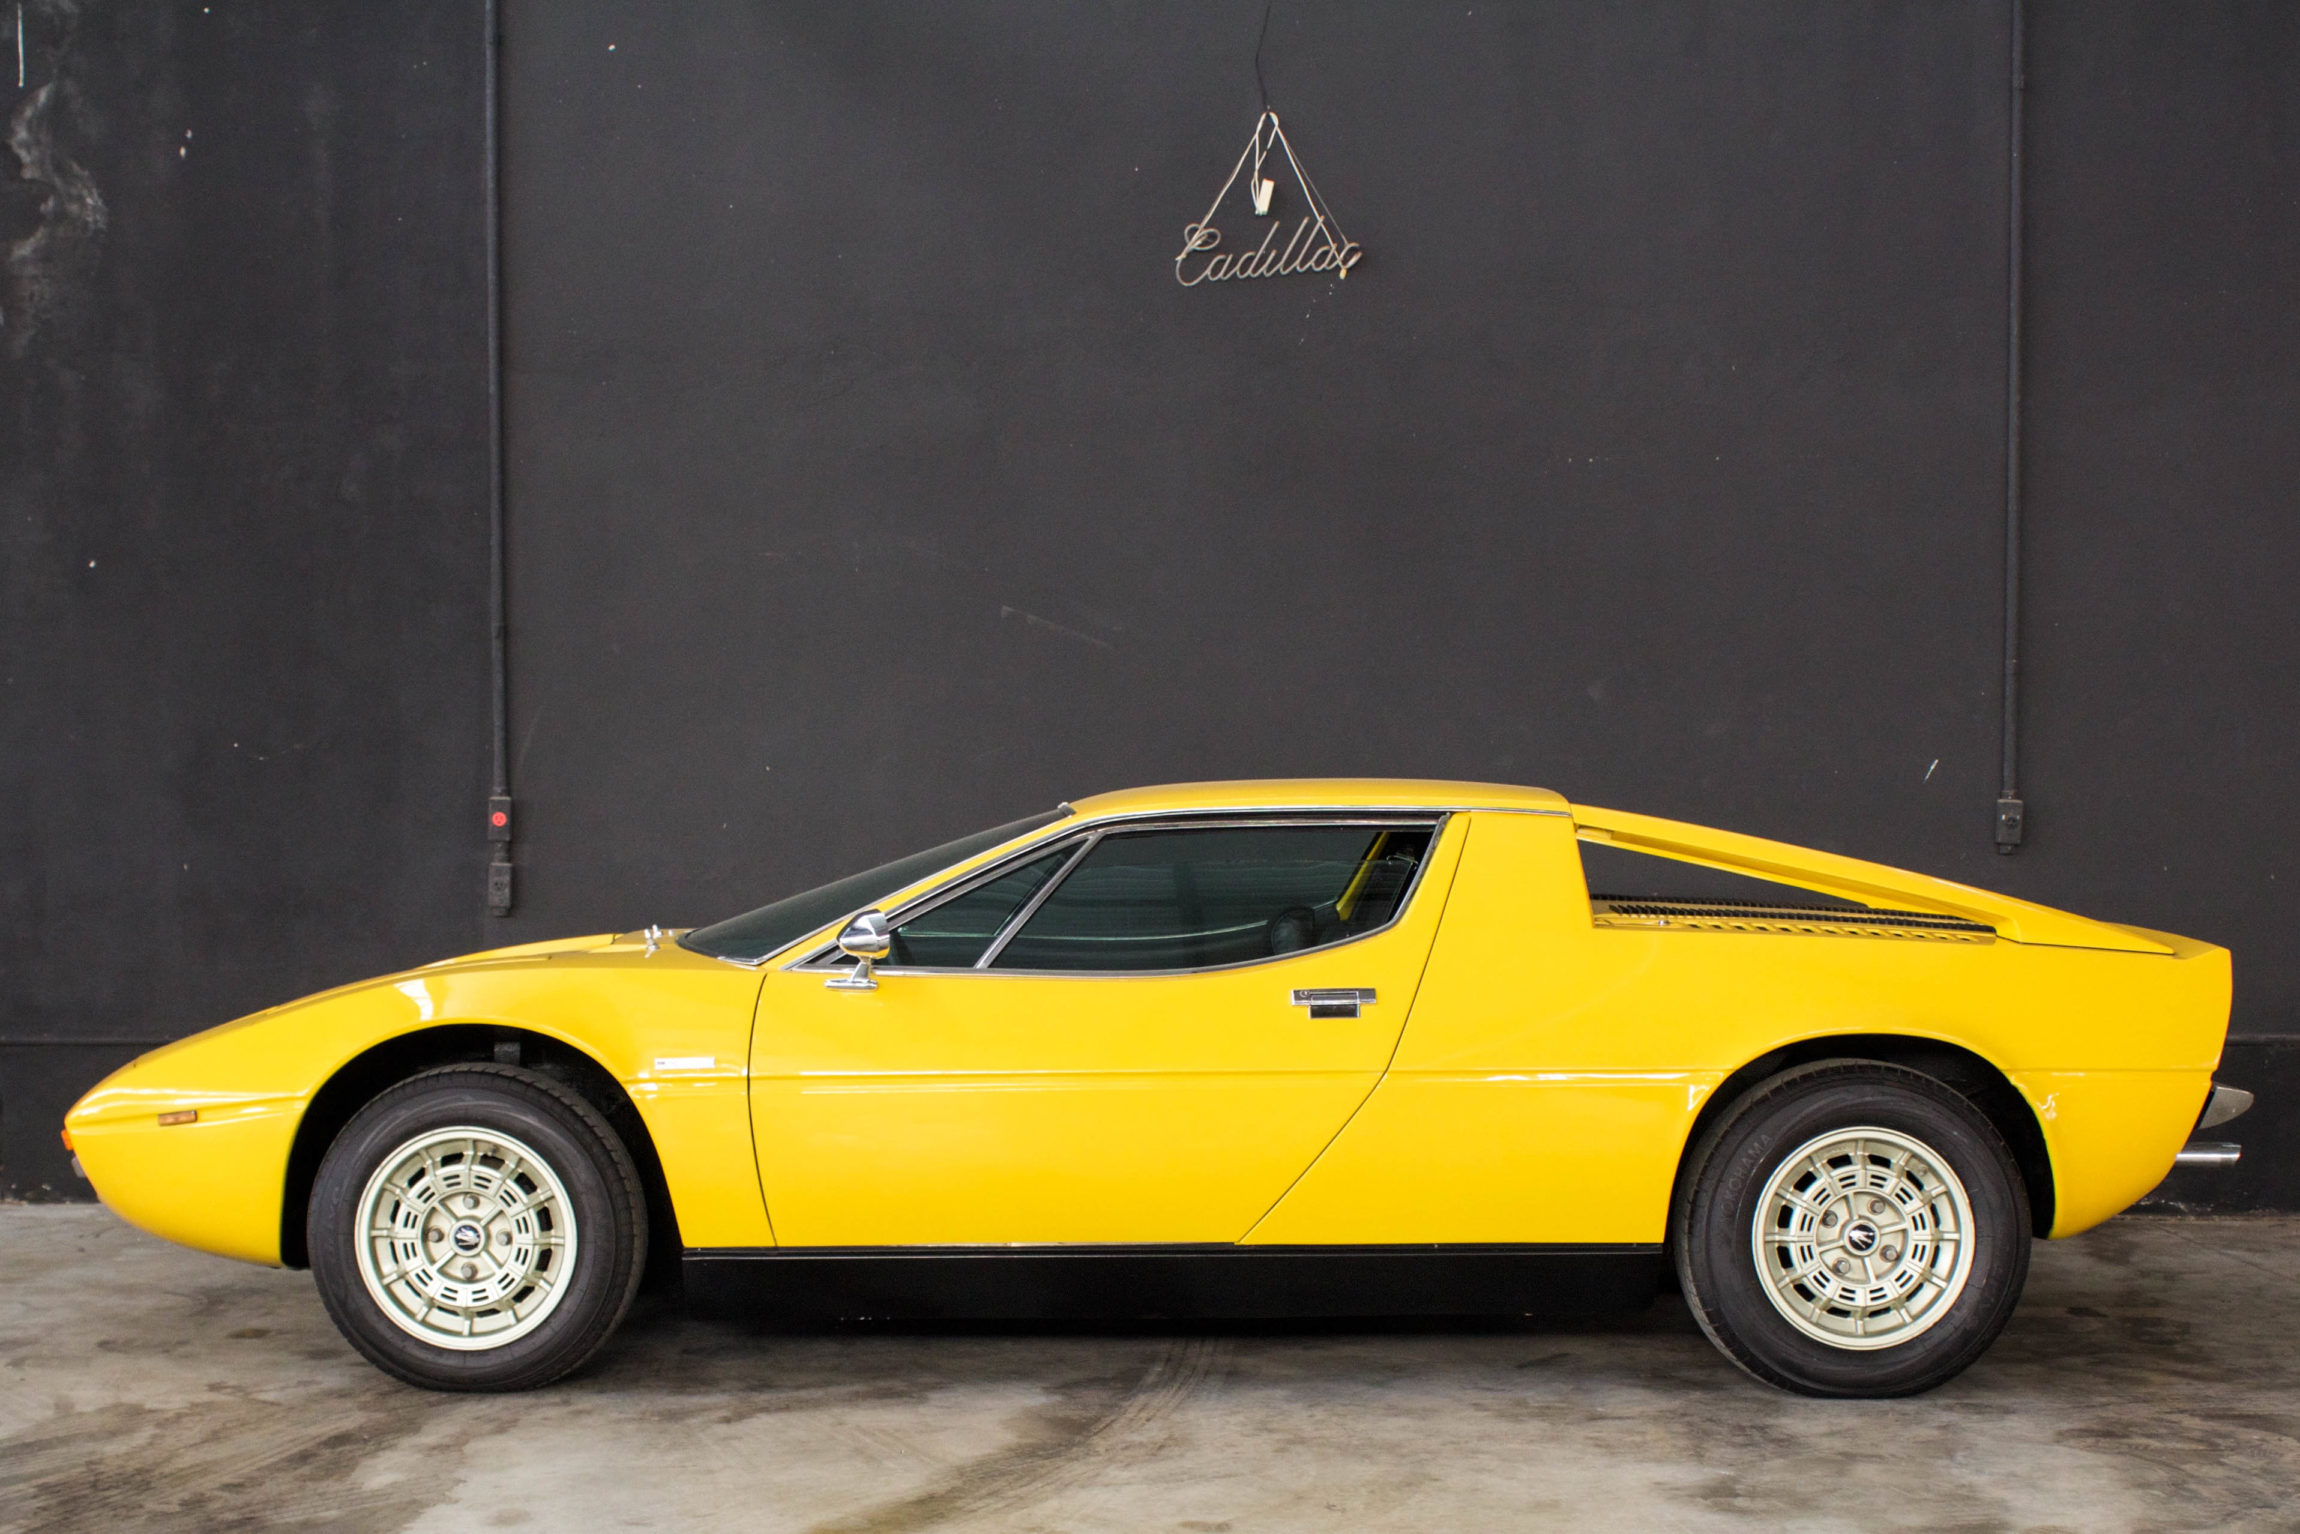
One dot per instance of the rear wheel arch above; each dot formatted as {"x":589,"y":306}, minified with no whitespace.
{"x":1852,"y":1228}
{"x":383,"y":1066}
{"x":1969,"y":1074}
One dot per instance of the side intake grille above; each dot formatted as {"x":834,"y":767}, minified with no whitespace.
{"x":1760,"y":916}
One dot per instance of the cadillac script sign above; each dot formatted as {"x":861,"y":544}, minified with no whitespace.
{"x":1298,"y":230}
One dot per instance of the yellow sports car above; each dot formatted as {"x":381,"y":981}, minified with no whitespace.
{"x":1361,"y":1046}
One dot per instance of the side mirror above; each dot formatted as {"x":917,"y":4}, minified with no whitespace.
{"x":868,"y":938}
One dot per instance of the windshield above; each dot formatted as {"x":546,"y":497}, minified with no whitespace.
{"x":752,"y":936}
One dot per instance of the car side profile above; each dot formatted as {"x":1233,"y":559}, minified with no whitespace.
{"x":1317,"y":1046}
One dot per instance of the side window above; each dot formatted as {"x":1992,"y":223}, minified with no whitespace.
{"x":1198,"y":897}
{"x":954,"y":934}
{"x":1621,"y":879}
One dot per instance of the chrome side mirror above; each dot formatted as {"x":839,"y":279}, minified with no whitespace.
{"x":868,"y":938}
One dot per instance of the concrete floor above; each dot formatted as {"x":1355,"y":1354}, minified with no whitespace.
{"x":2150,"y":1381}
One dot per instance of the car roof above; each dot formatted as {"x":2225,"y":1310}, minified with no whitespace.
{"x":1323,"y":793}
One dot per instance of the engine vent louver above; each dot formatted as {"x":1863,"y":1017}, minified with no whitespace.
{"x":1761,"y":916}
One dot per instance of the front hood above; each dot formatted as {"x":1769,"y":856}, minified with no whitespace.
{"x":618,"y":997}
{"x":399,"y":981}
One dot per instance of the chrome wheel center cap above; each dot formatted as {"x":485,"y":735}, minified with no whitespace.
{"x":1860,"y":1238}
{"x":468,"y":1239}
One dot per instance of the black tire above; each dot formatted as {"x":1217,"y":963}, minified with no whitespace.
{"x":603,"y":1199}
{"x":1714,"y":1236}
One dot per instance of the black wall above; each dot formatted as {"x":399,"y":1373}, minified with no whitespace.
{"x":871,"y":479}
{"x":243,"y":695}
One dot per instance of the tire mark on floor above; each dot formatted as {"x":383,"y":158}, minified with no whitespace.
{"x":1071,"y":1448}
{"x":223,"y":1463}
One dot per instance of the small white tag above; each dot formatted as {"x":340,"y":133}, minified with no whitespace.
{"x":684,"y":1063}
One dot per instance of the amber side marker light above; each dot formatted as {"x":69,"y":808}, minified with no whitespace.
{"x":185,"y":1116}
{"x":67,"y":1134}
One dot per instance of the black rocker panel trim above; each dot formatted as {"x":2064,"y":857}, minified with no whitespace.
{"x":1206,"y":1280}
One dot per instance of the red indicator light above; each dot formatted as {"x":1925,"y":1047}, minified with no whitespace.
{"x":499,"y":818}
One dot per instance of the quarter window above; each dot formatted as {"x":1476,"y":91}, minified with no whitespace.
{"x":1196,"y":897}
{"x":1626,"y":877}
{"x":954,"y":934}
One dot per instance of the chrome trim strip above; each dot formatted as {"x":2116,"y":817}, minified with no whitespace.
{"x":2211,"y":1153}
{"x":1193,"y":819}
{"x":1287,"y":812}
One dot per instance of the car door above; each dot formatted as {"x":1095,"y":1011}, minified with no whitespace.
{"x":1140,"y":1033}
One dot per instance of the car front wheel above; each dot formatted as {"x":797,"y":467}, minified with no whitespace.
{"x":1852,"y":1228}
{"x":477,"y":1227}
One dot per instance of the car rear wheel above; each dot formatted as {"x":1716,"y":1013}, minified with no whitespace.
{"x":1852,"y":1228}
{"x":477,"y":1227}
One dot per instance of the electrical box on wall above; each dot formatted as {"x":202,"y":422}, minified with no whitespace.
{"x":499,"y":863}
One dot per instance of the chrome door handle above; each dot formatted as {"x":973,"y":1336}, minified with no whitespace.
{"x":1334,"y":1003}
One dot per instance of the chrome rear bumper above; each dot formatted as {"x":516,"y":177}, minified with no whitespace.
{"x":2221,"y":1105}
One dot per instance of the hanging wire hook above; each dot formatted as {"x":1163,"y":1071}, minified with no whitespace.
{"x":1260,"y":38}
{"x":1262,"y":189}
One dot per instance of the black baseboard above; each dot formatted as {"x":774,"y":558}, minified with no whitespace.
{"x":1167,"y":1282}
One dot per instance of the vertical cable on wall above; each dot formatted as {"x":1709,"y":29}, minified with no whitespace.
{"x":499,"y":790}
{"x":2011,"y":813}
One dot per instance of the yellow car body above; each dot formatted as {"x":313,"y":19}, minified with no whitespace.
{"x":1530,"y":1070}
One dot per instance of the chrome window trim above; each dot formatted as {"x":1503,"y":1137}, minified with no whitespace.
{"x":1014,"y":923}
{"x":817,"y":959}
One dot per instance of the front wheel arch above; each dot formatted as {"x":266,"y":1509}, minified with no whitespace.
{"x":1970,"y":1074}
{"x":360,"y":1079}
